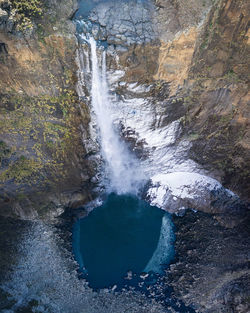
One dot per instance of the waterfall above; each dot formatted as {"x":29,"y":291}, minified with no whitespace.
{"x":121,"y":167}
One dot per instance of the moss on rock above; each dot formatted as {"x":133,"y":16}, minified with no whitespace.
{"x":42,"y":120}
{"x":22,"y":170}
{"x":26,"y":11}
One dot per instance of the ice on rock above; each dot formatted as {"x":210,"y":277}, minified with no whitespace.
{"x":177,"y":181}
{"x":173,"y":190}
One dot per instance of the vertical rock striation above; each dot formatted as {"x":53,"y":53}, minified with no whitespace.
{"x":41,"y":115}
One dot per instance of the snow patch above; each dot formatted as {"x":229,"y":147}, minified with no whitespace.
{"x":115,"y":76}
{"x":137,"y":88}
{"x":184,"y":184}
{"x":184,"y":189}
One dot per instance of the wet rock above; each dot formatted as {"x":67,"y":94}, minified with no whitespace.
{"x":129,"y":275}
{"x":144,"y":275}
{"x":211,"y":272}
{"x":3,"y":48}
{"x":125,"y":23}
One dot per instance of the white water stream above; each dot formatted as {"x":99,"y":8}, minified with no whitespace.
{"x":122,"y":168}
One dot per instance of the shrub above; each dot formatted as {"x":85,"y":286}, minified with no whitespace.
{"x":26,"y":10}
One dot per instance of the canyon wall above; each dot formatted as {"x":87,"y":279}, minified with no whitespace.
{"x":43,"y":122}
{"x":193,"y":55}
{"x":178,"y":72}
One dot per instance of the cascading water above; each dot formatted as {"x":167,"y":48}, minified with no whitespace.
{"x":122,"y":168}
{"x":125,"y":233}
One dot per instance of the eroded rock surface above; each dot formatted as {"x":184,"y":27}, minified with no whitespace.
{"x":209,"y":99}
{"x":211,"y":269}
{"x":177,"y":73}
{"x":186,"y":118}
{"x":41,"y":115}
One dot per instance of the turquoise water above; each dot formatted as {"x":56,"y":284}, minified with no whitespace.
{"x":123,"y":234}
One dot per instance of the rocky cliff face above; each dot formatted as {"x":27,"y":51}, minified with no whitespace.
{"x":217,"y":107}
{"x":42,"y":120}
{"x":203,"y":59}
{"x":171,"y":104}
{"x":177,"y":73}
{"x":192,"y":60}
{"x":179,"y":100}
